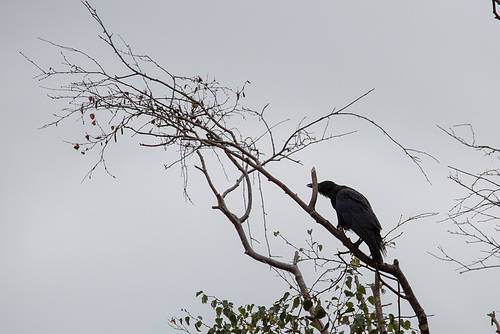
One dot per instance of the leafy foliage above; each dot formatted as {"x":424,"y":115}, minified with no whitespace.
{"x":196,"y":117}
{"x":350,"y":310}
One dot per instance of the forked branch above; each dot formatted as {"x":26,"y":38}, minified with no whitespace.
{"x":476,"y":214}
{"x":292,"y":268}
{"x":191,"y":116}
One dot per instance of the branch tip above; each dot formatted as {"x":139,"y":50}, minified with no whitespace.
{"x":314,"y":186}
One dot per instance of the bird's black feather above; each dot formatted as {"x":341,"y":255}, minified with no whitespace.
{"x":354,"y":213}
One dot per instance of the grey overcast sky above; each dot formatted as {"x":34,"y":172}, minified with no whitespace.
{"x":124,"y":255}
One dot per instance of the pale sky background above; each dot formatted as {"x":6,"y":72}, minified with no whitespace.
{"x":124,"y":255}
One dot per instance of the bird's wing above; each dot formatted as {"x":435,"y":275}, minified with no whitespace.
{"x":356,"y":211}
{"x":356,"y":196}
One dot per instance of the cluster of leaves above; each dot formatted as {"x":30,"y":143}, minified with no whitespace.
{"x":355,"y":308}
{"x":351,"y":310}
{"x":395,"y":326}
{"x":281,"y":317}
{"x":355,"y":313}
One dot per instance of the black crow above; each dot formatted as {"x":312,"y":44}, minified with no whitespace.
{"x":355,"y":213}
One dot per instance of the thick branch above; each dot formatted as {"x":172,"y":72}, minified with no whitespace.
{"x":394,"y":269}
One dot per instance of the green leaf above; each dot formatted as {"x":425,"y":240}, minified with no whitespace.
{"x":348,"y":282}
{"x":250,"y":307}
{"x":308,"y":304}
{"x":309,"y":231}
{"x":197,"y":325}
{"x":285,"y":296}
{"x":227,"y":312}
{"x":319,"y":312}
{"x":348,"y":293}
{"x":199,"y":293}
{"x":350,"y":307}
{"x":187,"y":319}
{"x":296,"y":302}
{"x":232,"y":318}
{"x":204,"y":299}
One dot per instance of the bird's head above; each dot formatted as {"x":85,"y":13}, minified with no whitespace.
{"x":326,"y":188}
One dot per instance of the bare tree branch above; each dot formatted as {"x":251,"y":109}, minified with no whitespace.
{"x":237,"y":223}
{"x":476,"y":214}
{"x":494,"y":321}
{"x":495,"y":3}
{"x":195,"y":117}
{"x":469,"y":143}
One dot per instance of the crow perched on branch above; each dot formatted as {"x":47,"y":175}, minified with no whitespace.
{"x":355,"y":213}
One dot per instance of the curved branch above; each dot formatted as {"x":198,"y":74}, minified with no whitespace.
{"x":237,"y":223}
{"x":244,"y":173}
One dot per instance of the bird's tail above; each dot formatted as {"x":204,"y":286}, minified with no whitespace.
{"x":377,"y":256}
{"x":378,"y":250}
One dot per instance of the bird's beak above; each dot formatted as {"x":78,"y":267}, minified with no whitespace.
{"x":310,"y":185}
